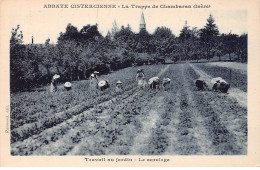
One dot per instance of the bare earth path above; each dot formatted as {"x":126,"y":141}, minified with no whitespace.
{"x":163,"y":71}
{"x":149,"y":123}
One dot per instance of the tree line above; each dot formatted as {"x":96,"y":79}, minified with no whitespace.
{"x":79,"y":52}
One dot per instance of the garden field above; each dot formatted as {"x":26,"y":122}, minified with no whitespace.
{"x":177,"y":121}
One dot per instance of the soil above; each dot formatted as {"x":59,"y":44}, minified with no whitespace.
{"x":178,"y":121}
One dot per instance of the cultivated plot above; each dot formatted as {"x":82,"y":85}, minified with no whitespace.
{"x":177,"y":121}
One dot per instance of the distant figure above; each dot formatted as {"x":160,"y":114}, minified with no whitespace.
{"x":140,"y":75}
{"x":154,"y":82}
{"x":94,"y":80}
{"x":165,"y":83}
{"x":201,"y":85}
{"x":119,"y":84}
{"x":140,"y":78}
{"x":94,"y":75}
{"x":219,"y":84}
{"x":67,"y":86}
{"x":54,"y":80}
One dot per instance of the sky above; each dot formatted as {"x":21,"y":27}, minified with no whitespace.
{"x":48,"y":23}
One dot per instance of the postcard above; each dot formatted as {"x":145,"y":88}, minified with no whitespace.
{"x":130,"y":83}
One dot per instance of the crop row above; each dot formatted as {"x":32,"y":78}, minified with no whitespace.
{"x":115,"y":135}
{"x":28,"y":107}
{"x":50,"y":120}
{"x":121,"y":117}
{"x":56,"y":132}
{"x":219,"y":113}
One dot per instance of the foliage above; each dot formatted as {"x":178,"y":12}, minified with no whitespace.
{"x":208,"y":36}
{"x":79,"y":52}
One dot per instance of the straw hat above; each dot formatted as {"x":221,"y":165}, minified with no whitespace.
{"x":216,"y":80}
{"x":166,"y":79}
{"x":139,"y":70}
{"x":102,"y":83}
{"x":67,"y":84}
{"x":119,"y":82}
{"x":153,"y":79}
{"x":56,"y":76}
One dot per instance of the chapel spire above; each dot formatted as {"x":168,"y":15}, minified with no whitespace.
{"x":142,"y":25}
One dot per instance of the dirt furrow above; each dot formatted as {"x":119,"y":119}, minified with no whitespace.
{"x":186,"y":143}
{"x":119,"y":142}
{"x":163,"y":71}
{"x":200,"y":132}
{"x":144,"y":142}
{"x":116,"y":136}
{"x":148,"y":124}
{"x":224,"y":141}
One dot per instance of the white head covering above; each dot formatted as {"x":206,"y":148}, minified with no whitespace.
{"x":139,"y":70}
{"x":56,"y":76}
{"x":67,"y":84}
{"x":153,"y":79}
{"x":218,"y":79}
{"x":102,"y":83}
{"x":119,"y":82}
{"x":166,"y":79}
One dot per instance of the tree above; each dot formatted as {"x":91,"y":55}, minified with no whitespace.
{"x":89,"y":33}
{"x":229,"y":43}
{"x":142,"y":40}
{"x":16,"y":38}
{"x":163,"y":41}
{"x":46,"y":55}
{"x":71,"y":33}
{"x":114,"y":29}
{"x":185,"y":32}
{"x":241,"y":48}
{"x":185,"y":41}
{"x":208,"y":36}
{"x":108,"y":36}
{"x":71,"y":51}
{"x":24,"y":63}
{"x":196,"y":50}
{"x":188,"y":43}
{"x":219,"y":48}
{"x":124,"y":38}
{"x":17,"y":58}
